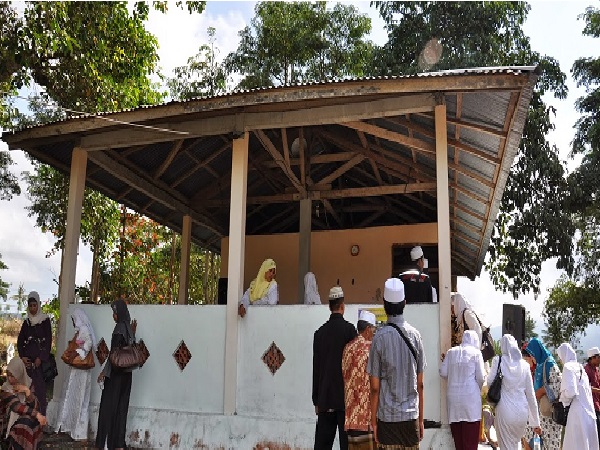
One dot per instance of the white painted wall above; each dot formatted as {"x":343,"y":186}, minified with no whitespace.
{"x":185,"y":409}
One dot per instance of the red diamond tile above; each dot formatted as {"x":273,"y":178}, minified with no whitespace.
{"x":273,"y":358}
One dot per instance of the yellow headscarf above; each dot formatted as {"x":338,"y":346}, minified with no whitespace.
{"x":259,"y":286}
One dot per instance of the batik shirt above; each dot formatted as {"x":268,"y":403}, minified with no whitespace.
{"x":356,"y":384}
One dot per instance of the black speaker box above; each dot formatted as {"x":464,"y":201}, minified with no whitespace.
{"x":513,"y":321}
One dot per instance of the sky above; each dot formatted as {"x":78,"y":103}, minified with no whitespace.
{"x":552,"y":26}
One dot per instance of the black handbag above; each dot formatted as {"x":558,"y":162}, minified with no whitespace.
{"x":494,"y":392}
{"x":560,"y":412}
{"x":49,"y":369}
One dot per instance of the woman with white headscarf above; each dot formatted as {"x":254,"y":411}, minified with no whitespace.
{"x":311,"y":291}
{"x":263,"y":289}
{"x":34,"y":344}
{"x":73,"y":417}
{"x":580,"y":432}
{"x":21,"y":421}
{"x":517,"y":400}
{"x":466,"y":319}
{"x":463,"y":368}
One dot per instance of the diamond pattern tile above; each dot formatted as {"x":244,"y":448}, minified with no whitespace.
{"x":182,"y":355}
{"x":273,"y":358}
{"x":102,"y":351}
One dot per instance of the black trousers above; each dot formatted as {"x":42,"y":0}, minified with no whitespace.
{"x":112,"y":416}
{"x":598,"y":423}
{"x":327,"y":422}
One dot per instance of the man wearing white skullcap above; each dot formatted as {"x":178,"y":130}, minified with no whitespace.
{"x":356,"y":384}
{"x":417,"y":284}
{"x":328,"y":383}
{"x":396,"y":366}
{"x":591,"y":368}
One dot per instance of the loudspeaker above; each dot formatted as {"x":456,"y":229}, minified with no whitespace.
{"x":222,"y":291}
{"x":513,"y":321}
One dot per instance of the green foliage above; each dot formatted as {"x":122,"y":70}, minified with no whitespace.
{"x":20,"y":297}
{"x":529,"y":327}
{"x":3,"y":284}
{"x":291,"y":42}
{"x":532,"y":225}
{"x":202,"y":76}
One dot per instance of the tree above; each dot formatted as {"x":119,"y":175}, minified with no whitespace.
{"x":532,"y":225}
{"x":202,"y":76}
{"x":20,"y":297}
{"x":530,"y":332}
{"x":3,"y":284}
{"x":299,"y":41}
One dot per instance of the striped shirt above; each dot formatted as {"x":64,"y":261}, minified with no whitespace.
{"x":392,"y":362}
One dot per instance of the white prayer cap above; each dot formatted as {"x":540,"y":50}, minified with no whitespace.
{"x":34,"y":295}
{"x":416,"y":253}
{"x":593,"y":352}
{"x":367,"y":316}
{"x":335,"y":292}
{"x":394,"y":290}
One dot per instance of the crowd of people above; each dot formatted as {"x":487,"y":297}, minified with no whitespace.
{"x":23,"y":396}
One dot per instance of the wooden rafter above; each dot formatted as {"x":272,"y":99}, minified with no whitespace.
{"x":169,"y":159}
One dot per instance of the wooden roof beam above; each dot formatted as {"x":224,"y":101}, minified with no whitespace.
{"x":169,"y":159}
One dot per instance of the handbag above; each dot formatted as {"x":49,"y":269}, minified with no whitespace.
{"x":488,"y":351}
{"x":548,"y":399}
{"x":560,"y":412}
{"x":49,"y":369}
{"x":71,"y":357}
{"x":494,"y":392}
{"x":129,"y":356}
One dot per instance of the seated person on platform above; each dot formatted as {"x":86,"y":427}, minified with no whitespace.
{"x":263,"y":289}
{"x":311,"y":291}
{"x":417,"y":285}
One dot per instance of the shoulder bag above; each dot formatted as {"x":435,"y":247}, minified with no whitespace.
{"x":560,"y":412}
{"x":487,"y":342}
{"x":49,"y":369}
{"x":410,"y":346}
{"x":494,"y":392}
{"x":71,"y":357}
{"x":129,"y":356}
{"x":547,"y":399}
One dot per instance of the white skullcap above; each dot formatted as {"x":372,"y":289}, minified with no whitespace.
{"x":35,"y":295}
{"x":394,"y":290}
{"x":335,"y":292}
{"x":367,"y":316}
{"x":593,"y":352}
{"x":416,"y":253}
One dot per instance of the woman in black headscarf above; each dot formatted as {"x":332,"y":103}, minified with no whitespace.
{"x":112,"y":417}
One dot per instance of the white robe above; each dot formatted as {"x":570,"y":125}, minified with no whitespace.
{"x":463,"y":368}
{"x":73,"y":417}
{"x":270,"y":298}
{"x":581,"y":432}
{"x":517,"y":400}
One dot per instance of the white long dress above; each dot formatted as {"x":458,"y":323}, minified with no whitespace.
{"x":581,"y":432}
{"x":517,"y":401}
{"x":74,"y":413}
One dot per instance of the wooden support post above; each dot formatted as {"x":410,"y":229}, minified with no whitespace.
{"x":235,"y":267}
{"x":66,"y":288}
{"x":304,"y":240}
{"x":184,"y":266}
{"x":443,"y":223}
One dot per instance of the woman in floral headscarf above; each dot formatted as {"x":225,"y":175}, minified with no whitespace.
{"x":263,"y":289}
{"x":112,"y":416}
{"x":546,"y":368}
{"x":21,"y":421}
{"x":74,"y":413}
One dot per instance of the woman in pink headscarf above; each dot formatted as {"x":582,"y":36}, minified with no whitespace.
{"x":263,"y":289}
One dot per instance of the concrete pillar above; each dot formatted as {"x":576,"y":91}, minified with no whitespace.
{"x":304,"y":240}
{"x":184,"y":266}
{"x":66,"y":288}
{"x":443,"y":223}
{"x":235,"y":266}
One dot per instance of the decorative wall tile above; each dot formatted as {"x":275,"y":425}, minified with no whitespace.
{"x":102,"y":351}
{"x":273,"y":358}
{"x":182,"y":355}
